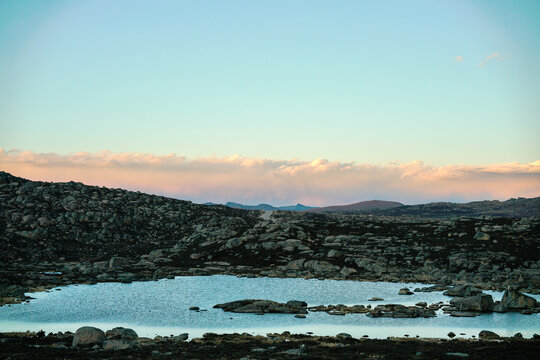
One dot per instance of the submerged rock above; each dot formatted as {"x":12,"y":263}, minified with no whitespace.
{"x":464,"y":314}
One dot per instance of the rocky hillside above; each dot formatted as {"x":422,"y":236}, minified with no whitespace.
{"x":61,"y":233}
{"x":72,"y":221}
{"x":512,"y":208}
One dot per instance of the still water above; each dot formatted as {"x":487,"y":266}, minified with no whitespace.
{"x":162,"y":308}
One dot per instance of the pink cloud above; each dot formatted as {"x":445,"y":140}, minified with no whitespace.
{"x":251,"y":180}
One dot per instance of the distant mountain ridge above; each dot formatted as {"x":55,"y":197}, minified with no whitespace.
{"x":361,"y":206}
{"x":268,"y":207}
{"x":520,"y":207}
{"x":265,"y":207}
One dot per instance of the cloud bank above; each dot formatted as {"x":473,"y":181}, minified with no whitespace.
{"x":251,"y":180}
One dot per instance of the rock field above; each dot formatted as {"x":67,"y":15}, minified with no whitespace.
{"x":64,"y":233}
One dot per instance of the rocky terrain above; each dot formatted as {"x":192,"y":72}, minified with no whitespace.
{"x":120,"y":343}
{"x":63,"y":233}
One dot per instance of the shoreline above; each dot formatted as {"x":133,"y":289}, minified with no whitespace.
{"x":438,"y":304}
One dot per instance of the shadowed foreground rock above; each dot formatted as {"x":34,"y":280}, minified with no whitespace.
{"x":272,"y":346}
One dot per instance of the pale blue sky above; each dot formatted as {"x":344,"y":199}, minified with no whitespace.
{"x":370,"y":82}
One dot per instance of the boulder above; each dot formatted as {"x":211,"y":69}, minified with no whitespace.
{"x":514,"y":300}
{"x":120,"y":333}
{"x":88,"y":336}
{"x":488,"y":335}
{"x":405,"y":291}
{"x":482,"y":303}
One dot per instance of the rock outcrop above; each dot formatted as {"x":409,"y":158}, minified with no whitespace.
{"x":514,"y":300}
{"x":480,"y":303}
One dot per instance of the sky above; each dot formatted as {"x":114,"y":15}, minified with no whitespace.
{"x":375,"y":87}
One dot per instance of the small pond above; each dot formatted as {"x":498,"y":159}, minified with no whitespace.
{"x":162,"y":308}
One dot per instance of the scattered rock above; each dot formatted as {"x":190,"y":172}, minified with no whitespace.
{"x":405,"y":291}
{"x":488,"y":335}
